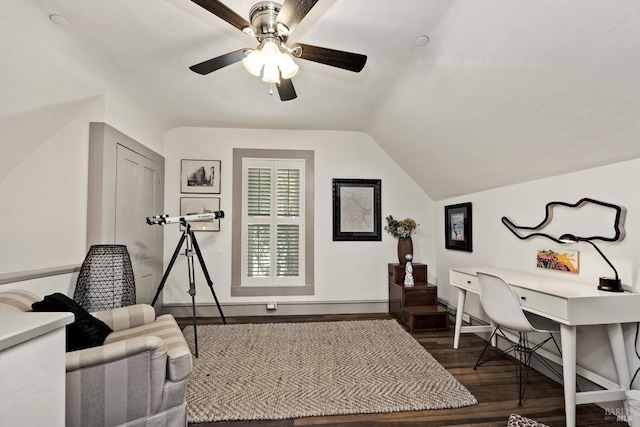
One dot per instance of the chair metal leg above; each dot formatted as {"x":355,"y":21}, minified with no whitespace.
{"x":475,"y":367}
{"x":496,"y":332}
{"x":534,"y":350}
{"x":527,"y":354}
{"x":523,"y":353}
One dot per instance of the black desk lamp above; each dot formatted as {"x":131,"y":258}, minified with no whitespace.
{"x":606,"y":283}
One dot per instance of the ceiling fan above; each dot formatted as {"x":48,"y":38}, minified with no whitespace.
{"x":272,"y":24}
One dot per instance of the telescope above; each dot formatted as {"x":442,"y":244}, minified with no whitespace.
{"x":192,"y":245}
{"x":166,"y":219}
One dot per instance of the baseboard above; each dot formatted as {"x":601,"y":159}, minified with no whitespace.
{"x":292,"y":308}
{"x":469,"y":320}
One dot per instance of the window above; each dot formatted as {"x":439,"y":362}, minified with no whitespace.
{"x":273,"y":226}
{"x":273,"y":230}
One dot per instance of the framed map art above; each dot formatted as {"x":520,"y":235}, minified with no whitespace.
{"x":356,"y":209}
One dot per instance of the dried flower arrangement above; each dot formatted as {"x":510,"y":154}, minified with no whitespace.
{"x":402,"y":228}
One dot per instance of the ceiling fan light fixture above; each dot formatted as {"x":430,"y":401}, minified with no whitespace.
{"x":271,"y":73}
{"x":270,"y":53}
{"x":271,"y":23}
{"x":253,"y":62}
{"x":288,"y":68}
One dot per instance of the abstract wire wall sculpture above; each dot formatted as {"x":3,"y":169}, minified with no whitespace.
{"x":606,"y":283}
{"x":617,"y":227}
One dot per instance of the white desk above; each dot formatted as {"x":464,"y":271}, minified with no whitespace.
{"x":570,"y":304}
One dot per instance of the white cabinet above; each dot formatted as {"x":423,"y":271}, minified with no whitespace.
{"x":32,"y":368}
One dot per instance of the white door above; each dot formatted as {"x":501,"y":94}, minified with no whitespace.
{"x":137,"y":179}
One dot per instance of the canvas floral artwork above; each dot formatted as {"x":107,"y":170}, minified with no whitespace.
{"x":562,"y":261}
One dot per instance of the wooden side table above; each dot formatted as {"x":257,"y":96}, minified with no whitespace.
{"x":416,"y":306}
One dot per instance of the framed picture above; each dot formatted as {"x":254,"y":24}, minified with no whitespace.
{"x":200,"y":176}
{"x":558,"y":260}
{"x":200,"y":205}
{"x":457,"y":227}
{"x":356,"y":209}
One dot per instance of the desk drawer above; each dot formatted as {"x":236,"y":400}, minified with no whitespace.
{"x":466,"y":281}
{"x":545,"y":303}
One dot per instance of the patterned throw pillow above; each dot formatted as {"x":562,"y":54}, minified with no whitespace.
{"x":516,"y":420}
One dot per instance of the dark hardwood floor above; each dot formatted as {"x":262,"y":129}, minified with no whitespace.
{"x":493,"y":385}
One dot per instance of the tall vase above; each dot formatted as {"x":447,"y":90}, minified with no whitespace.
{"x":405,"y":247}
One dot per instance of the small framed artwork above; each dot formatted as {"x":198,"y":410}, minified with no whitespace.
{"x":558,"y":260}
{"x":200,"y":205}
{"x":457,"y":227}
{"x":356,"y":209}
{"x":200,"y":176}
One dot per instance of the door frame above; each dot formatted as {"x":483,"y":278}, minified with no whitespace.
{"x":102,"y":173}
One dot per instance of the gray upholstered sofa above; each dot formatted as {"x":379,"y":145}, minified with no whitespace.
{"x":138,"y":377}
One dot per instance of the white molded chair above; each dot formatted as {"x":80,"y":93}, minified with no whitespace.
{"x":501,"y":304}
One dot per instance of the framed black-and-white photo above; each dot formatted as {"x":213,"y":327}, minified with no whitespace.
{"x":356,"y":209}
{"x":457,"y":227}
{"x":200,"y":176}
{"x":200,"y":205}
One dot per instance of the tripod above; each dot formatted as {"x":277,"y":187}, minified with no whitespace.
{"x":191,"y":242}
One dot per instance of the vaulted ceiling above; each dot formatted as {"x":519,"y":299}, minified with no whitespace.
{"x":505,"y":91}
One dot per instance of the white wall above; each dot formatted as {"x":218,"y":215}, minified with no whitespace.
{"x":344,"y":271}
{"x":44,"y":196}
{"x":125,"y":115}
{"x":524,"y":204}
{"x":44,"y":173}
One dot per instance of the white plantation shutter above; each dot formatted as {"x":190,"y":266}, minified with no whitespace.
{"x":258,"y":250}
{"x":258,"y":233}
{"x":288,"y":192}
{"x":288,"y":251}
{"x":288,"y":234}
{"x":273,"y":222}
{"x":259,"y":192}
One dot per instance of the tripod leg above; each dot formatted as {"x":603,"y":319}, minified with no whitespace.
{"x":166,"y":273}
{"x":192,"y":284}
{"x":195,"y":323}
{"x":206,"y":274}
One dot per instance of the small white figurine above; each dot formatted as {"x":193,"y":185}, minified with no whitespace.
{"x":408,"y":271}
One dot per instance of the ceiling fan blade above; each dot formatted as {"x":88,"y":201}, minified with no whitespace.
{"x":224,"y":12}
{"x":214,"y":64}
{"x":286,"y":90}
{"x":293,"y":11}
{"x":336,"y":58}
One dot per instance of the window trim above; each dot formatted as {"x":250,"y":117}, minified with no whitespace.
{"x":236,"y":234}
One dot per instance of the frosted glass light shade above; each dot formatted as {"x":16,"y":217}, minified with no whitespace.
{"x":270,"y":53}
{"x":271,"y":74}
{"x":253,"y":62}
{"x":288,"y":68}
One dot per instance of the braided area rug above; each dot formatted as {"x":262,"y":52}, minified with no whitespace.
{"x":291,"y":370}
